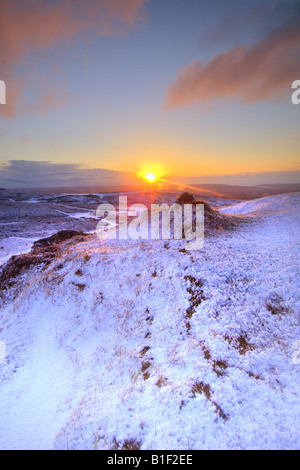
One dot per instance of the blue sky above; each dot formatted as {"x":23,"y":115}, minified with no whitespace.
{"x":105,"y":93}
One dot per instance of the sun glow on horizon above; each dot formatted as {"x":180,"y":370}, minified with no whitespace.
{"x":150,"y":177}
{"x":150,"y":174}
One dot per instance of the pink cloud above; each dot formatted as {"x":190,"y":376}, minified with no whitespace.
{"x":251,"y":74}
{"x":31,"y":26}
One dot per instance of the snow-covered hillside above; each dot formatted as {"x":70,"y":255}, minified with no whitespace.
{"x":145,"y":345}
{"x":264,"y":205}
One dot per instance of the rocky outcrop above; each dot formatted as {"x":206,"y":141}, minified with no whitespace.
{"x":44,"y":251}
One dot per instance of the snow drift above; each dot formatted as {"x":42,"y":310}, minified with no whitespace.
{"x":138,"y":344}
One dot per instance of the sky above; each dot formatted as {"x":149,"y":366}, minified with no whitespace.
{"x":99,"y":90}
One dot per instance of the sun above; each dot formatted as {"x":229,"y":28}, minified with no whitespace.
{"x":150,"y":177}
{"x":151,"y":174}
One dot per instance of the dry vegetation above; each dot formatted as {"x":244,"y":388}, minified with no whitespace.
{"x":44,"y":251}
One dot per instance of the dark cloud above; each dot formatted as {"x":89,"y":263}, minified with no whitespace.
{"x":32,"y":174}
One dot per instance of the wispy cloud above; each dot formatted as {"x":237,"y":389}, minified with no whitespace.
{"x":262,"y":72}
{"x":30,"y":26}
{"x":33,"y":174}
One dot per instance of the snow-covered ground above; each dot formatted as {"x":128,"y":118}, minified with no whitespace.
{"x":80,"y":215}
{"x":14,"y":246}
{"x":144,"y":341}
{"x":264,"y":205}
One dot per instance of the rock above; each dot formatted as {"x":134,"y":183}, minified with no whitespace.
{"x":44,"y":251}
{"x":58,"y":238}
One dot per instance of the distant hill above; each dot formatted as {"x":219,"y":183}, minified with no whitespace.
{"x":249,"y":192}
{"x":204,"y":190}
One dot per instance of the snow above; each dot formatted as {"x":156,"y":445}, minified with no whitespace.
{"x":90,"y":215}
{"x":76,"y":336}
{"x":79,"y":215}
{"x":32,"y":201}
{"x":263,"y":205}
{"x":14,"y":246}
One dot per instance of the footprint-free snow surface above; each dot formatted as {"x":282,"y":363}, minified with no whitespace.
{"x":145,"y":345}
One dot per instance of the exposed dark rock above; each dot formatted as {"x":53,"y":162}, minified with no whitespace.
{"x":214,"y":221}
{"x":17,"y":265}
{"x":186,"y":198}
{"x":59,"y":237}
